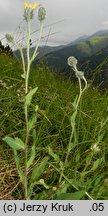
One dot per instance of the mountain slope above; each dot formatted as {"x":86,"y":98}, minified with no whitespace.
{"x":91,"y":52}
{"x":84,"y":49}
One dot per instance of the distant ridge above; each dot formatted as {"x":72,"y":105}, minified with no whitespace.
{"x":90,"y":51}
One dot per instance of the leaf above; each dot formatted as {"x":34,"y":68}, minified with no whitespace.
{"x":14,"y":143}
{"x":61,"y":190}
{"x":32,"y":121}
{"x":32,"y":156}
{"x":34,"y":135}
{"x":20,"y":172}
{"x":29,"y":96}
{"x":36,"y":108}
{"x":44,"y":195}
{"x":75,"y":102}
{"x":51,"y":153}
{"x":78,"y":156}
{"x":95,"y":165}
{"x":38,"y":170}
{"x":72,"y":118}
{"x":71,"y":196}
{"x":30,"y":190}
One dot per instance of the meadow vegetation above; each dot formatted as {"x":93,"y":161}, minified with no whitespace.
{"x":85,"y":175}
{"x":57,"y":129}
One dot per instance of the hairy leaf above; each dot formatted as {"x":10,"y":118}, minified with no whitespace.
{"x":96,"y":164}
{"x":71,"y":196}
{"x":20,"y":172}
{"x":32,"y":156}
{"x":51,"y":153}
{"x":29,"y":96}
{"x":32,"y":121}
{"x":39,"y":169}
{"x":14,"y":143}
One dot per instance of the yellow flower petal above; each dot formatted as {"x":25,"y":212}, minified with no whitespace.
{"x":35,"y":5}
{"x":25,"y":5}
{"x":30,"y":6}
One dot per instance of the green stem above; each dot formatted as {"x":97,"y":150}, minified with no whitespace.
{"x":26,"y":107}
{"x":85,"y":84}
{"x":73,"y":124}
{"x":38,"y":42}
{"x":69,"y":145}
{"x":29,"y":61}
{"x":79,"y":80}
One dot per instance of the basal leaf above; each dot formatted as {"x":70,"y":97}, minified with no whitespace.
{"x":71,"y":196}
{"x":39,"y":169}
{"x":14,"y":143}
{"x":51,"y":153}
{"x":29,"y":96}
{"x":62,"y":190}
{"x":39,"y":182}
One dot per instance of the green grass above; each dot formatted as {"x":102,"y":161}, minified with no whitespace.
{"x":86,"y":172}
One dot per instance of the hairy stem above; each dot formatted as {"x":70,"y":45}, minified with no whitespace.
{"x":26,"y":108}
{"x":38,"y":42}
{"x":73,"y":123}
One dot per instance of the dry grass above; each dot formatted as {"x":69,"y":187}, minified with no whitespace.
{"x":8,"y":180}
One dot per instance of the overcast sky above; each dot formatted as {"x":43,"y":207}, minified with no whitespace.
{"x":78,"y":17}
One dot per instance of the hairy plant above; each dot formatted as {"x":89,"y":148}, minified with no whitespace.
{"x":70,"y":164}
{"x":16,"y":143}
{"x":72,"y":62}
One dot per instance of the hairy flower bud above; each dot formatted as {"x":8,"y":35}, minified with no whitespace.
{"x":72,"y":62}
{"x":9,"y":38}
{"x":79,"y":74}
{"x":41,"y":13}
{"x":95,"y":148}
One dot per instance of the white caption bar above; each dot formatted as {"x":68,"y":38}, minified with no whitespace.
{"x":54,"y":208}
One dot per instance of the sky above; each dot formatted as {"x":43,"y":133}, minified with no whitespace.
{"x":66,"y":20}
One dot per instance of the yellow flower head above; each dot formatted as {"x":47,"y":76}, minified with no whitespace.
{"x":30,"y":6}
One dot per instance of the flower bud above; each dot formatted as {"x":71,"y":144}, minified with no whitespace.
{"x":95,"y":148}
{"x":9,"y":38}
{"x":41,"y":13}
{"x":72,"y":62}
{"x":79,"y":74}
